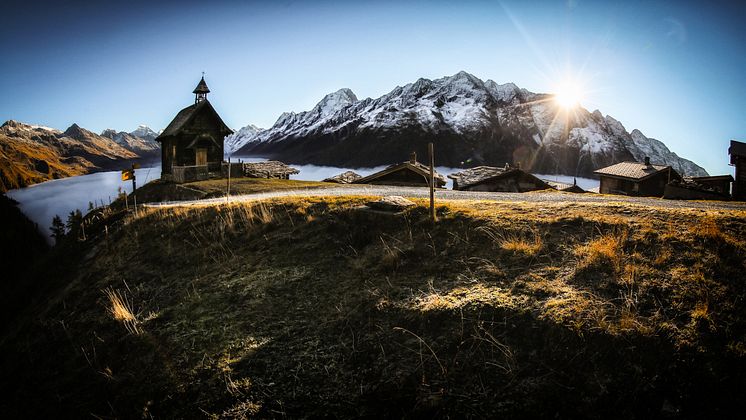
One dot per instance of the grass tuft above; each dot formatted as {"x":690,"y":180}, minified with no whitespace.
{"x":121,"y":310}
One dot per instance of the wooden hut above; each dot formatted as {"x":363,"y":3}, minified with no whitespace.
{"x":737,"y":152}
{"x":491,"y":178}
{"x":269,"y":169}
{"x":635,"y":178}
{"x":192,"y":144}
{"x":689,"y":189}
{"x":347,"y":177}
{"x":719,"y":183}
{"x":408,"y":174}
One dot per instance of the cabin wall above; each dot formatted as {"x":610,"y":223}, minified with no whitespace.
{"x":722,"y":186}
{"x":651,"y":187}
{"x":673,"y":191}
{"x":739,"y":186}
{"x":655,"y":186}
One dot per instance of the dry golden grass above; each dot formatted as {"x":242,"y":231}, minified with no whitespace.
{"x":120,"y":309}
{"x":291,"y":300}
{"x":605,"y":251}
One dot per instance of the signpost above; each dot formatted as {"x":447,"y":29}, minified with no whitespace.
{"x":228,"y":187}
{"x":128,"y":174}
{"x":432,"y":181}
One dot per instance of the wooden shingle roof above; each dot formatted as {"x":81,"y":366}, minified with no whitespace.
{"x":186,"y":115}
{"x":631,"y":170}
{"x":473,"y":175}
{"x":481,"y":174}
{"x":201,"y":87}
{"x":415,"y":167}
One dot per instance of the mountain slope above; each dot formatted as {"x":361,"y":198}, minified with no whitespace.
{"x":471,"y":122}
{"x":31,"y":154}
{"x":141,"y":145}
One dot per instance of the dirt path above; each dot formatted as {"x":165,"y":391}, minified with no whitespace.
{"x":420,"y":192}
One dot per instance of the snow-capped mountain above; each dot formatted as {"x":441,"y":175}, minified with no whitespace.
{"x":144,"y":132}
{"x":470,"y":121}
{"x":238,"y":139}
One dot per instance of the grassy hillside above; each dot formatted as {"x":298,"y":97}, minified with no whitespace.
{"x":312,"y":306}
{"x":156,"y":191}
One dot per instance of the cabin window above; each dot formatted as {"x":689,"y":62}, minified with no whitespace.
{"x":201,"y":157}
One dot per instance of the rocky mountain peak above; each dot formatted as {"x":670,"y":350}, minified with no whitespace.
{"x":335,"y":101}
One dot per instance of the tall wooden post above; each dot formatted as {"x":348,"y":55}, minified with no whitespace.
{"x":134,"y":189}
{"x":228,"y":186}
{"x":432,"y":181}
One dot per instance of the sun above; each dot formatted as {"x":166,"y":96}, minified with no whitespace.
{"x":568,"y":95}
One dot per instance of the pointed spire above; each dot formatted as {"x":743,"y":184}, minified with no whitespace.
{"x":201,"y":90}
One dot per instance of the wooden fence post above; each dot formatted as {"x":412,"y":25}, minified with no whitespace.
{"x":432,"y":182}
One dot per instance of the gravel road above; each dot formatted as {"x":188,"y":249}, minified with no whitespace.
{"x":421,"y":192}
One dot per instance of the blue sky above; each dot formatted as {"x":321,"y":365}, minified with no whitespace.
{"x":676,"y":70}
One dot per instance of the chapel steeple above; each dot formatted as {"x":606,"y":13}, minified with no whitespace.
{"x":201,"y":90}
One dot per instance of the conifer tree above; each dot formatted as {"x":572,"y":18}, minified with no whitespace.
{"x":58,"y":229}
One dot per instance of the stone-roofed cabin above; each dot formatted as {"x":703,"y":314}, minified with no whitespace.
{"x":737,"y":152}
{"x":565,"y":187}
{"x":491,"y":178}
{"x":192,"y":144}
{"x":636,"y":179}
{"x":407,"y":174}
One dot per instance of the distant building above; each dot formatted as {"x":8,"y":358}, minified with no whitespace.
{"x":564,"y":187}
{"x":491,"y":178}
{"x":635,"y":178}
{"x":192,"y":144}
{"x":269,"y":169}
{"x":737,"y":153}
{"x":408,"y":174}
{"x":718,"y":183}
{"x":700,"y":188}
{"x":347,"y":177}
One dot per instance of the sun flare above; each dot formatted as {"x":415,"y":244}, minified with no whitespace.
{"x":568,"y":95}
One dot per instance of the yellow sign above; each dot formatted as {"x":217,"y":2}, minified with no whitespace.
{"x":128,"y":174}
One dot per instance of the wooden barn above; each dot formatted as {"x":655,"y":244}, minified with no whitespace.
{"x":192,"y":144}
{"x":490,"y":178}
{"x":737,"y":152}
{"x":408,"y":174}
{"x":636,"y":179}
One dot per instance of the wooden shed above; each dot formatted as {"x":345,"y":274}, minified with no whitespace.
{"x":192,"y":144}
{"x":636,"y":179}
{"x":491,"y":178}
{"x":408,"y":174}
{"x":737,"y":152}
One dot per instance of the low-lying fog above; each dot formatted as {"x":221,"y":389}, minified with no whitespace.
{"x":41,"y":202}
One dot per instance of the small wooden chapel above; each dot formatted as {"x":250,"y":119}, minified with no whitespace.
{"x":192,"y":144}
